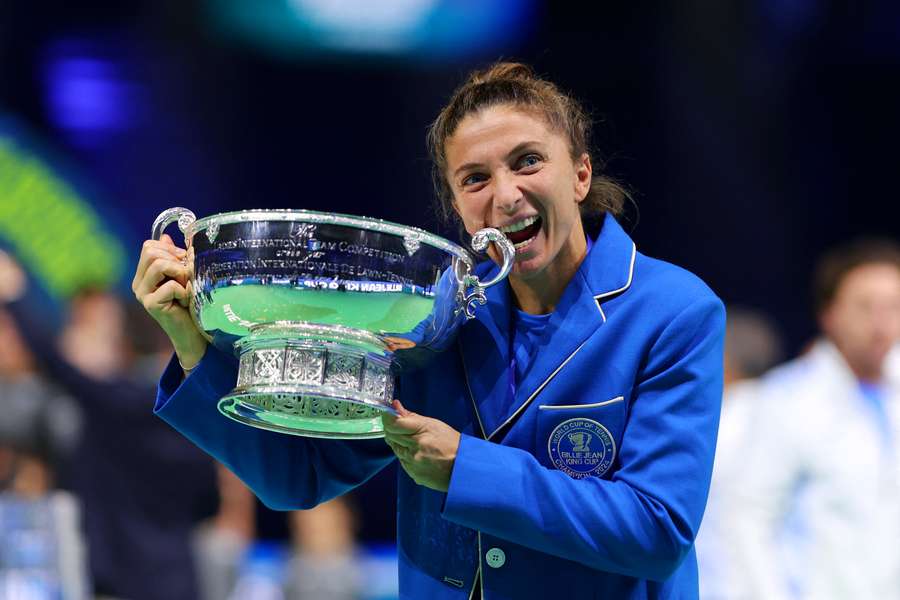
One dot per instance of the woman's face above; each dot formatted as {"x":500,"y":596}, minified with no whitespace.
{"x":508,"y":169}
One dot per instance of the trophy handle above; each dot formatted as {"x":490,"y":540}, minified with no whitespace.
{"x":480,"y":242}
{"x":184,"y":217}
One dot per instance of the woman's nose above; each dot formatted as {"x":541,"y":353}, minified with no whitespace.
{"x":507,"y":194}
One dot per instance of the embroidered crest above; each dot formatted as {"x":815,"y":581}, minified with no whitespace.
{"x":581,"y":448}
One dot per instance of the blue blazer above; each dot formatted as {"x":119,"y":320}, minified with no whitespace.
{"x":590,"y":483}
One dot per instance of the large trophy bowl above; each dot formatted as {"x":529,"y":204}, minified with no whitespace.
{"x":321,"y":309}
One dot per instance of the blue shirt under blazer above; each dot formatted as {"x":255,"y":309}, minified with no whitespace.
{"x":591,"y":485}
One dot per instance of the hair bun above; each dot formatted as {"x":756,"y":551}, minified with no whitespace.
{"x":503,"y":70}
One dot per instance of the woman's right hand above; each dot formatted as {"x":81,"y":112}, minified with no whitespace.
{"x":162,"y":284}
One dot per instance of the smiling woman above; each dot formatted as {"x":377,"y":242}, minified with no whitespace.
{"x":511,"y":151}
{"x":564,"y":447}
{"x":530,"y":190}
{"x":514,"y":85}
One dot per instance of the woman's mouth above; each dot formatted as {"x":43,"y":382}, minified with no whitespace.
{"x":522,"y":233}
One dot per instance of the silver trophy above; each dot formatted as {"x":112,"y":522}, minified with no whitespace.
{"x":323,"y":310}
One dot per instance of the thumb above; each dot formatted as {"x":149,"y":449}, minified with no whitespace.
{"x":401,"y":410}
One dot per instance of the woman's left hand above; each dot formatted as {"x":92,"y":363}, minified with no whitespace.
{"x":425,"y":447}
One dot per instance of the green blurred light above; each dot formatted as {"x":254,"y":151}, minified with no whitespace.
{"x":54,"y":231}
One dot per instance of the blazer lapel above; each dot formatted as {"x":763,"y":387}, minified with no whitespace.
{"x":575,"y":319}
{"x":484,"y":345}
{"x":604,"y":274}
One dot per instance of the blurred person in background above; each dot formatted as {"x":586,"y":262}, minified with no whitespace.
{"x":141,"y":486}
{"x":324,"y":554}
{"x":221,"y":541}
{"x":816,"y":514}
{"x":42,"y":554}
{"x":40,"y":425}
{"x":320,"y":560}
{"x":752,"y":346}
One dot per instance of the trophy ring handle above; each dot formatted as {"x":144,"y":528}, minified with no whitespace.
{"x":184,"y":217}
{"x":480,"y":242}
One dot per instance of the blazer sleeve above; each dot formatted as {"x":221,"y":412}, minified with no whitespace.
{"x":286,"y":472}
{"x":642,"y":521}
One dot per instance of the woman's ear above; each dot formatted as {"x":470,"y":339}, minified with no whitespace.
{"x":583,"y":177}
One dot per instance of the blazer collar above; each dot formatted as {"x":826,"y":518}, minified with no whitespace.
{"x":609,"y":268}
{"x":606,"y":272}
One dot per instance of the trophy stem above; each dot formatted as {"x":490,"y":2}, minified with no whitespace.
{"x":312,"y":380}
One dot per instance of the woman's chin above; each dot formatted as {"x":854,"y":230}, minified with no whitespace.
{"x":527,"y":265}
{"x":528,"y":258}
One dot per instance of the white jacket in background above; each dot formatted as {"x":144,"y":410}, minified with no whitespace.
{"x":720,"y":575}
{"x":816,"y":514}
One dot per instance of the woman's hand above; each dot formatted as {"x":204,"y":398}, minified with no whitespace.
{"x":162,"y":284}
{"x":425,"y":447}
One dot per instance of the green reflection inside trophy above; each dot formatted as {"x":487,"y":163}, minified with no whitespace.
{"x":254,"y":413}
{"x":250,"y":304}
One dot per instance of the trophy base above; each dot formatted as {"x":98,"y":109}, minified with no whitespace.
{"x":312,"y":380}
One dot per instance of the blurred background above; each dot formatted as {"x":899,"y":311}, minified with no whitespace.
{"x":754,"y":134}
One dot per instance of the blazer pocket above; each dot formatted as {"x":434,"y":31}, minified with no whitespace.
{"x":581,"y":440}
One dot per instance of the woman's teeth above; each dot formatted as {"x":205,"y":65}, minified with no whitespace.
{"x":525,"y":244}
{"x":522,"y":233}
{"x":520,"y":225}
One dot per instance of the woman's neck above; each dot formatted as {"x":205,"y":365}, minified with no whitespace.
{"x":540,"y":294}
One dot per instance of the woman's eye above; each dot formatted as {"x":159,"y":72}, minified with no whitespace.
{"x":473,"y":179}
{"x":529,"y":160}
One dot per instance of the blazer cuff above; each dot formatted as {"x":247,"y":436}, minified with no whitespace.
{"x":478,"y":472}
{"x":213,"y":377}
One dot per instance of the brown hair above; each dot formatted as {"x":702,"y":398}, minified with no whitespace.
{"x":839,"y":261}
{"x":516,"y":84}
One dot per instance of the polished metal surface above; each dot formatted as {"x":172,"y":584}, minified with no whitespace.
{"x":323,"y":309}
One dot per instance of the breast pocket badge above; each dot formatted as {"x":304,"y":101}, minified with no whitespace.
{"x":581,"y":448}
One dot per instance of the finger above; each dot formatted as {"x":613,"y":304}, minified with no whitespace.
{"x":389,"y":420}
{"x":151,"y":250}
{"x":410,"y":469}
{"x":401,"y":410}
{"x":166,"y":241}
{"x":164,"y":296}
{"x":405,"y":422}
{"x":398,"y":439}
{"x":391,"y":446}
{"x":408,"y":466}
{"x":148,"y":257}
{"x":186,"y":301}
{"x":166,"y":245}
{"x":400,"y":426}
{"x":399,"y":451}
{"x":157,"y":273}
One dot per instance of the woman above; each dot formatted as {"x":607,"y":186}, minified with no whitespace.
{"x":564,"y":447}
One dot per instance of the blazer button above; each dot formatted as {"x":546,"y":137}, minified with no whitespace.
{"x":495,"y":557}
